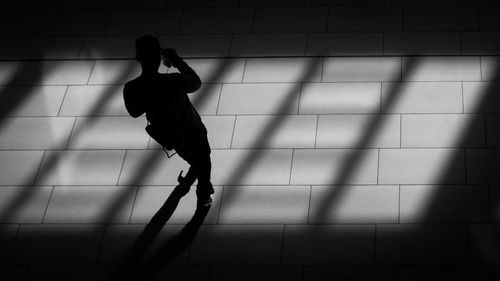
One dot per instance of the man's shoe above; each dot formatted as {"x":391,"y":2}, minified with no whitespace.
{"x":204,"y":202}
{"x":203,"y":194}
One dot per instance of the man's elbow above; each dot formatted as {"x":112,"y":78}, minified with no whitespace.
{"x":193,"y":86}
{"x":135,"y":114}
{"x":197,"y":85}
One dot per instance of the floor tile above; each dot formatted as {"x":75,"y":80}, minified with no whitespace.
{"x":217,"y":20}
{"x":47,"y":48}
{"x":279,"y":131}
{"x":444,"y":204}
{"x":107,"y":47}
{"x":422,"y":166}
{"x":251,"y":166}
{"x":440,"y":18}
{"x":437,"y":245}
{"x":256,"y":273}
{"x":199,"y":45}
{"x":334,"y":166}
{"x":109,"y":133}
{"x":344,"y":44}
{"x":350,"y":131}
{"x":68,"y":272}
{"x":359,"y":69}
{"x":368,"y":18}
{"x":90,"y":204}
{"x":80,"y":167}
{"x":119,"y":240}
{"x":57,"y":244}
{"x":480,"y":43}
{"x":442,"y":69}
{"x":278,"y":44}
{"x":222,"y":245}
{"x":202,"y":3}
{"x":490,"y":69}
{"x":492,"y":134}
{"x":73,"y":23}
{"x":35,"y":132}
{"x":283,"y":70}
{"x":316,"y":273}
{"x":54,"y":73}
{"x":275,"y":98}
{"x":151,"y":167}
{"x":442,"y":130}
{"x":94,"y":100}
{"x":480,"y":97}
{"x":339,"y":98}
{"x":31,"y":100}
{"x":24,"y":204}
{"x":218,"y":70}
{"x":25,"y":27}
{"x":487,"y":18}
{"x":8,"y":234}
{"x":265,"y":205}
{"x":114,"y":71}
{"x":8,"y":71}
{"x":422,"y":97}
{"x":422,"y":43}
{"x":291,"y":19}
{"x":328,"y":245}
{"x":484,"y":244}
{"x":206,"y":99}
{"x":354,"y":204}
{"x":481,"y":166}
{"x":139,"y":22}
{"x":19,"y":167}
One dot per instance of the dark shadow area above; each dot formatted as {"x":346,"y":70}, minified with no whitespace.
{"x":136,"y":264}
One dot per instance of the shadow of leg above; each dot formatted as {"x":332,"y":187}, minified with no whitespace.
{"x":173,"y":246}
{"x":135,"y":255}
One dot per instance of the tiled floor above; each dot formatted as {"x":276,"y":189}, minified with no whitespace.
{"x":350,"y":141}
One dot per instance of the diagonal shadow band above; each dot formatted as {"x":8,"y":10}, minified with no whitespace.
{"x":354,"y":159}
{"x":135,"y":255}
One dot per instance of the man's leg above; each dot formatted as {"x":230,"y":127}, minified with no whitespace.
{"x":203,"y":169}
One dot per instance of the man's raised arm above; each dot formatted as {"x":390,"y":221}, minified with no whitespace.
{"x":188,"y":80}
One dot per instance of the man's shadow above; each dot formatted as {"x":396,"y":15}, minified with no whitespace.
{"x":135,"y":265}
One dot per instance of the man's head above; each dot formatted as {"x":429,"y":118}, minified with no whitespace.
{"x":148,"y":52}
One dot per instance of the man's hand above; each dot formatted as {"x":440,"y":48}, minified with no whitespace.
{"x":170,"y":57}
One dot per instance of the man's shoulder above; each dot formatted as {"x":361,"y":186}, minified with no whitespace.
{"x":132,"y":83}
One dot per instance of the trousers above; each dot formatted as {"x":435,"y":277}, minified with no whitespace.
{"x":197,"y":155}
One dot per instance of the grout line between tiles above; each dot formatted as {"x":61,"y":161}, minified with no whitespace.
{"x":48,"y":204}
{"x":223,"y":187}
{"x":133,"y":204}
{"x":62,"y":101}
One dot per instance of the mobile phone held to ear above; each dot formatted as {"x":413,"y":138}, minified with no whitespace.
{"x":169,"y":57}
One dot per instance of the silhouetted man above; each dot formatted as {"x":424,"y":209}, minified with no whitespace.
{"x":173,"y":121}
